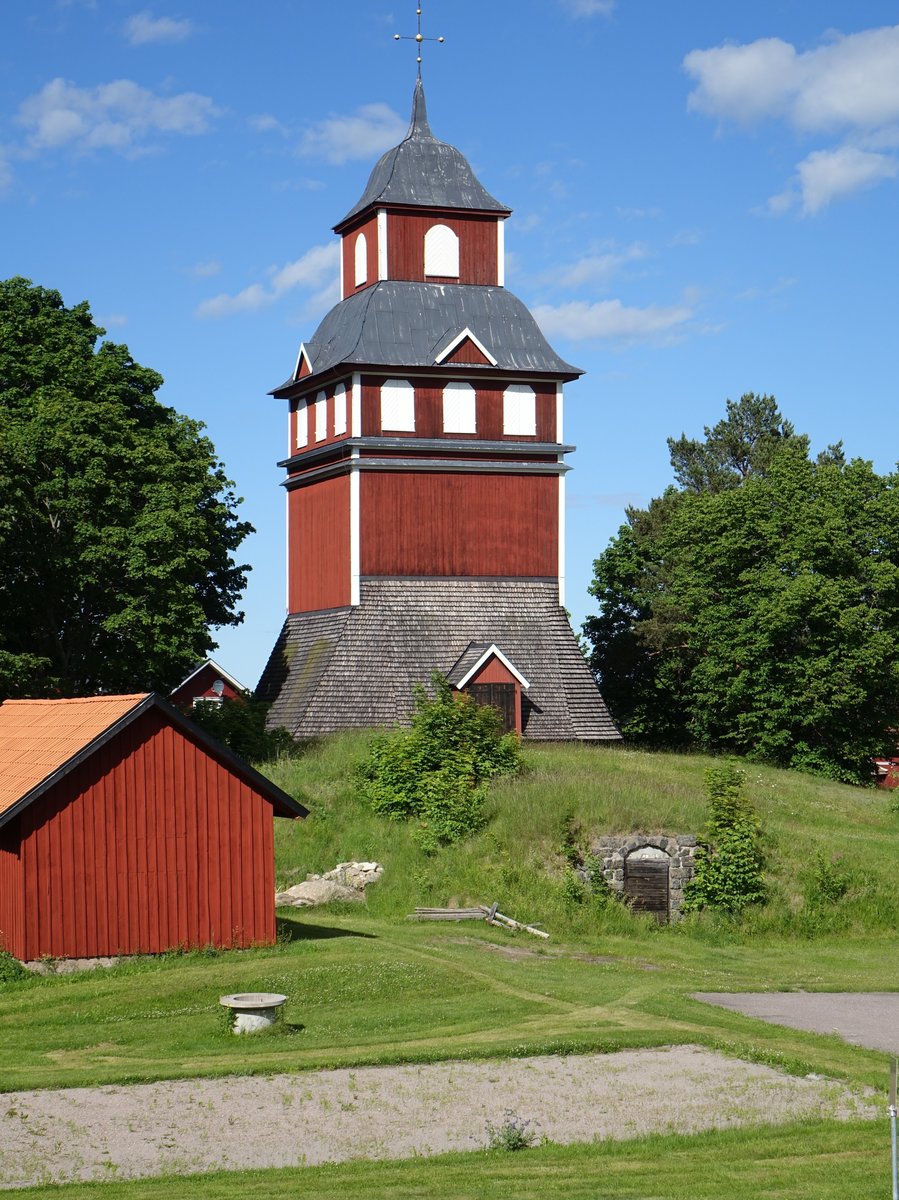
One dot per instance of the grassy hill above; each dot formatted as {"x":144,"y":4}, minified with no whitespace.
{"x":366,"y":987}
{"x":819,"y":838}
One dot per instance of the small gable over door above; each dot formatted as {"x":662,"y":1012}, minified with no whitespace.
{"x":490,"y":678}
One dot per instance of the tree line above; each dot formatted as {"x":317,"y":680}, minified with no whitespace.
{"x":753,"y":607}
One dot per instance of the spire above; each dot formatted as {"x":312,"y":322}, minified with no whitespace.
{"x":424,"y":172}
{"x":419,"y":126}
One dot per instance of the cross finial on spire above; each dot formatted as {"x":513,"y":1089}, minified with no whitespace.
{"x":418,"y":39}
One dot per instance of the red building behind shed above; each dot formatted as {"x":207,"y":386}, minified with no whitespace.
{"x":124,"y":829}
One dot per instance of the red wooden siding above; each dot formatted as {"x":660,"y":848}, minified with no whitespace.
{"x":370,"y":229}
{"x":319,"y":545}
{"x":12,"y":929}
{"x":493,"y":671}
{"x":468,"y":352}
{"x":429,"y":409}
{"x":199,"y":687}
{"x":477,"y":246}
{"x":150,"y":843}
{"x":457,"y":524}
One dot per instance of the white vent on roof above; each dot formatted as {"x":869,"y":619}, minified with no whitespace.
{"x":397,"y":406}
{"x":361,"y":253}
{"x":459,"y":408}
{"x":519,"y":410}
{"x":441,"y":252}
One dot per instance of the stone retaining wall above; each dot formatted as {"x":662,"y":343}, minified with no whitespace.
{"x":611,"y":851}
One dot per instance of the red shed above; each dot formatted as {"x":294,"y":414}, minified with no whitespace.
{"x":124,"y":828}
{"x":209,"y":683}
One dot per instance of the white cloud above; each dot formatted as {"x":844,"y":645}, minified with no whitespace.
{"x":112,"y":320}
{"x":310,"y":272}
{"x":827,"y":175}
{"x":596,"y":268}
{"x":266,"y":123}
{"x":852,"y":82}
{"x":205,"y":270}
{"x":610,"y":319}
{"x":117,"y":116}
{"x":5,"y":172}
{"x":848,"y":86}
{"x":588,"y":8}
{"x":143,"y":29}
{"x":371,"y":130}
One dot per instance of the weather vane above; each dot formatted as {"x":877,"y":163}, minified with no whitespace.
{"x":418,"y":39}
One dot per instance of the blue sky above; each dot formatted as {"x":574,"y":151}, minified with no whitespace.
{"x":705,"y":202}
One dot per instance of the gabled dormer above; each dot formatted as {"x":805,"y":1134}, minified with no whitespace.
{"x":424,"y":217}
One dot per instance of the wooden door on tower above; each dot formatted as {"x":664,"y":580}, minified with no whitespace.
{"x":498,"y":695}
{"x":646,"y":882}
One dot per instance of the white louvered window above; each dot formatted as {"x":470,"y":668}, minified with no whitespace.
{"x":361,"y":253}
{"x":321,"y":417}
{"x":340,"y":409}
{"x":441,"y":252}
{"x":459,"y":408}
{"x":302,"y":425}
{"x":397,"y":406}
{"x":519,"y":410}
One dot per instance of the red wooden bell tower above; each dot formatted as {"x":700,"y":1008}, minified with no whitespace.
{"x":425,"y":478}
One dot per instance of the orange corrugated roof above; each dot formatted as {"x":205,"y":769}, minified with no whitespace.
{"x":37,"y":737}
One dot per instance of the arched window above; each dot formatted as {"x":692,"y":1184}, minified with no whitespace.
{"x":340,"y":409}
{"x":321,"y":417}
{"x":520,"y":410}
{"x":441,"y":252}
{"x":361,"y":253}
{"x":459,"y":408}
{"x":397,"y":406}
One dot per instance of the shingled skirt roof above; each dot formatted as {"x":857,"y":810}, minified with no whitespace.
{"x":355,"y":667}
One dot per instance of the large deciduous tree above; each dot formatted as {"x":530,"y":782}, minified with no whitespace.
{"x":117,"y":521}
{"x":755,"y":609}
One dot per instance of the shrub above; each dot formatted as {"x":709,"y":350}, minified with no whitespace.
{"x":728,"y":872}
{"x":513,"y":1134}
{"x":240,"y":725}
{"x":11,"y":970}
{"x":437,"y":773}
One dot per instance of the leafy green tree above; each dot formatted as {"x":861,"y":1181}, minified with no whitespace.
{"x":759,"y":617}
{"x":117,"y":522}
{"x":437,"y":773}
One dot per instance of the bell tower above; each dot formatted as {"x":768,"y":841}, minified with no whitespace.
{"x":425,"y":474}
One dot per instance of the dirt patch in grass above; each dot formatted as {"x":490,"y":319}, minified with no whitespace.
{"x":392,"y":1112}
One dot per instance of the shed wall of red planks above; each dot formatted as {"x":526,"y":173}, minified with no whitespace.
{"x":348,"y":249}
{"x":459,"y":524}
{"x":429,"y":410}
{"x":12,"y":929}
{"x":150,"y":843}
{"x":319,"y":545}
{"x":478,"y":246}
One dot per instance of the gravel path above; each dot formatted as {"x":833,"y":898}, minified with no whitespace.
{"x":391,"y":1112}
{"x":864,"y":1018}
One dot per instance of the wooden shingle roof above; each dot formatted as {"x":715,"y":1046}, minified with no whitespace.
{"x":352,"y":668}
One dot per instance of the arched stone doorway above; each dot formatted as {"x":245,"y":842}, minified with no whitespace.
{"x":646,"y":881}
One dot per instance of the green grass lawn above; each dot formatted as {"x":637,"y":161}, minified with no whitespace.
{"x":818,"y":1161}
{"x":366,"y":986}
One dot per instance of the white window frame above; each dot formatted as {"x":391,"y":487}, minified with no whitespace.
{"x":520,"y":410}
{"x":302,"y":425}
{"x":459,"y":408}
{"x":340,"y":409}
{"x":397,"y":406}
{"x":321,"y":417}
{"x":360,"y":259}
{"x":442,"y":252}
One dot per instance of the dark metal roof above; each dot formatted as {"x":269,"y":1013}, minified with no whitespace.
{"x":423,"y":171}
{"x":397,"y":323}
{"x":354,"y":668}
